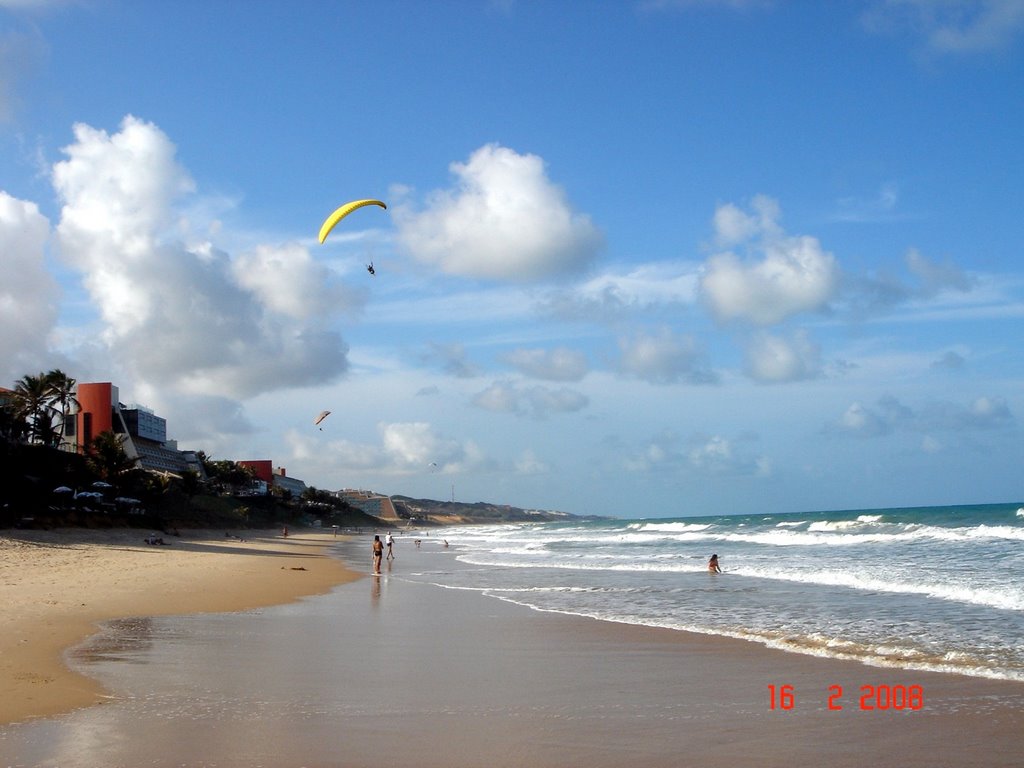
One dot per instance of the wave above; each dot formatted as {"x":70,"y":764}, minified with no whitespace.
{"x":671,"y":527}
{"x":882,"y":655}
{"x":991,"y":598}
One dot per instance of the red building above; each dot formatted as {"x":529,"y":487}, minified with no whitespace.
{"x":144,"y":434}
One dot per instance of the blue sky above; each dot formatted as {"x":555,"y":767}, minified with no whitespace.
{"x":639,"y":258}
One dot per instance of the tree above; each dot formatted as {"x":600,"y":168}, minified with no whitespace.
{"x":32,"y":403}
{"x":13,"y":426}
{"x":106,"y":456}
{"x":44,"y":403}
{"x":230,"y":474}
{"x":61,"y":395}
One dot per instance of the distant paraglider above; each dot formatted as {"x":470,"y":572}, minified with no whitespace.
{"x":323,"y":415}
{"x":369,"y":268}
{"x":344,"y":211}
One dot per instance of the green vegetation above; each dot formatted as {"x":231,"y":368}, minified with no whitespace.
{"x":46,"y":485}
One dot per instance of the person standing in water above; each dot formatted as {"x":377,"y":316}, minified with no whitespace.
{"x":390,"y":540}
{"x":378,"y":553}
{"x":713,"y":566}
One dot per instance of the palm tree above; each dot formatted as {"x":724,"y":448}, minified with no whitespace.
{"x":106,"y":457}
{"x":13,"y":426}
{"x":32,"y":403}
{"x":62,"y":395}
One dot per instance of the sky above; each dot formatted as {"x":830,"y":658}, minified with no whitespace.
{"x":640,"y":259}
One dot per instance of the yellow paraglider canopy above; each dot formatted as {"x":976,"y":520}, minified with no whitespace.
{"x":342,"y":212}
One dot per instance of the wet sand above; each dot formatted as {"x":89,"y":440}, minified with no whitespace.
{"x":55,"y":586}
{"x":387,"y":671}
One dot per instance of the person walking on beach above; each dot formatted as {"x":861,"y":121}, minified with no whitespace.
{"x":713,"y":566}
{"x":378,"y":553}
{"x":391,"y":543}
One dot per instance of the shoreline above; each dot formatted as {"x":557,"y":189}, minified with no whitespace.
{"x":390,"y":669}
{"x":57,"y":586}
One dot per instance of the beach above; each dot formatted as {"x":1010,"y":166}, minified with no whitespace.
{"x":395,"y":670}
{"x":56,"y":586}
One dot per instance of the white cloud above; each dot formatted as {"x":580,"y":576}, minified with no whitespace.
{"x":504,"y":220}
{"x":529,"y":464}
{"x":452,"y":360}
{"x":405,"y":448}
{"x":719,"y":456}
{"x":890,"y":415}
{"x":734,"y":226}
{"x":702,"y":455}
{"x":950,"y":361}
{"x":789,"y":275}
{"x":935,"y":278}
{"x":287,"y":280}
{"x":28,"y":293}
{"x":773,"y":358}
{"x":537,"y":401}
{"x":952,"y":26}
{"x":416,"y":445}
{"x":559,"y":364}
{"x":663,"y":357}
{"x":612,"y":295}
{"x":193,"y":320}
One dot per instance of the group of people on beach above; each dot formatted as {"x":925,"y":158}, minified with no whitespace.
{"x":378,"y":553}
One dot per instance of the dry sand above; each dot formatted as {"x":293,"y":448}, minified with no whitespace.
{"x":55,"y":586}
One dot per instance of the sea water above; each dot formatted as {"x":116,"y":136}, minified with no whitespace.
{"x":933,"y":588}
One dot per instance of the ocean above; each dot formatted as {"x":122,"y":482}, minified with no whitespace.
{"x":930,"y":588}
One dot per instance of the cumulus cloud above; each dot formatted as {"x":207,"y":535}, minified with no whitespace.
{"x":701,"y":455}
{"x":950,"y":361}
{"x":785,"y":275}
{"x":663,"y":357}
{"x":451,"y":358}
{"x":733,"y":225}
{"x":503,"y":220}
{"x":193,"y":319}
{"x":889,"y":415}
{"x":559,"y":364}
{"x":934,"y":278}
{"x":405,"y":448}
{"x":924,"y":279}
{"x":773,"y":359}
{"x":720,"y":456}
{"x":613,"y":295}
{"x":952,"y":26}
{"x":529,"y":464}
{"x":286,"y":280}
{"x":28,"y":293}
{"x":537,"y":401}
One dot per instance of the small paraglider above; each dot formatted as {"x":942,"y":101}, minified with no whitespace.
{"x":369,"y":268}
{"x":323,"y":415}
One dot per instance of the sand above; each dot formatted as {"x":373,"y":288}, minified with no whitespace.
{"x":389,"y":671}
{"x":55,"y":586}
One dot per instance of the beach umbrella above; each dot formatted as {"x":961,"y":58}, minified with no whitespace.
{"x":62,"y":489}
